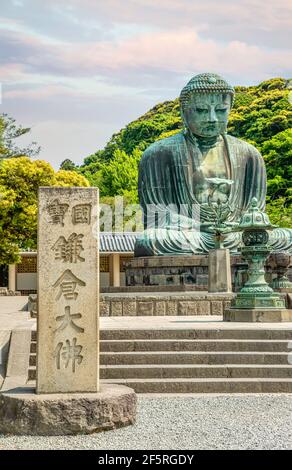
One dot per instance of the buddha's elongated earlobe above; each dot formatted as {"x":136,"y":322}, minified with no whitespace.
{"x":185,"y":127}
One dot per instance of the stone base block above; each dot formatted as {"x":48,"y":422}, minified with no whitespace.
{"x":219,"y":271}
{"x":185,"y":270}
{"x":24,"y":412}
{"x":258,"y":315}
{"x":164,"y":303}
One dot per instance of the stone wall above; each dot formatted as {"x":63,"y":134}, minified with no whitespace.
{"x":167,"y":303}
{"x":162,"y":303}
{"x":179,"y":270}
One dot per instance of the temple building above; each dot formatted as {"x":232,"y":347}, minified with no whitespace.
{"x":115,"y":248}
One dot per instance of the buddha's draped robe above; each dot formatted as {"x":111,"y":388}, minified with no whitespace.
{"x":172,"y":182}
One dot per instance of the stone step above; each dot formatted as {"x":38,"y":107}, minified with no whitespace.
{"x":192,"y":333}
{"x":198,"y":357}
{"x":194,"y":371}
{"x":204,"y":385}
{"x":190,"y":345}
{"x":32,"y":359}
{"x":167,"y":371}
{"x":32,"y":373}
{"x":251,"y":360}
{"x":195,"y":345}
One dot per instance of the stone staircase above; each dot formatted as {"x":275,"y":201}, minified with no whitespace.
{"x":252,"y":360}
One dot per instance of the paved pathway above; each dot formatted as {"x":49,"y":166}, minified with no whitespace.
{"x":187,"y":422}
{"x":183,"y":322}
{"x":11,"y":318}
{"x":11,"y":314}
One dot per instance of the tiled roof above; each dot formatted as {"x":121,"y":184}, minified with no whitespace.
{"x":110,"y":242}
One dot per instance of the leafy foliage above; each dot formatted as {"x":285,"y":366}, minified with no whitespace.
{"x":20,"y":179}
{"x":67,"y":165}
{"x":119,"y":176}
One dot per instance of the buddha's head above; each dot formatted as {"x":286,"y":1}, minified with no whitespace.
{"x":206,"y":102}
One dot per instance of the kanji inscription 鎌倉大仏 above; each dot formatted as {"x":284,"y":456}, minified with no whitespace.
{"x":67,"y":351}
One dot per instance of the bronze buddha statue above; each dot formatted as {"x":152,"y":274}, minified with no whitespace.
{"x":176,"y":174}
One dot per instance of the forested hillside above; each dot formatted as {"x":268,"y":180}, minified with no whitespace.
{"x":261,"y":115}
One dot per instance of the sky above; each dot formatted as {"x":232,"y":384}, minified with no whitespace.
{"x":76,"y":71}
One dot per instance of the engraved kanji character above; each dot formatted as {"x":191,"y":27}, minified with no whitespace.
{"x":57,"y":212}
{"x":68,"y":283}
{"x":68,"y":320}
{"x":68,"y":352}
{"x":69,"y":250}
{"x":81,"y":214}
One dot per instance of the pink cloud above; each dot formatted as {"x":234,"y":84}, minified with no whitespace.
{"x":12,"y":72}
{"x":182,"y":51}
{"x":264,"y":14}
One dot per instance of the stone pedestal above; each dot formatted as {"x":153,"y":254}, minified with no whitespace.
{"x":258,"y":315}
{"x":219,"y":271}
{"x":23,"y":412}
{"x":178,"y":271}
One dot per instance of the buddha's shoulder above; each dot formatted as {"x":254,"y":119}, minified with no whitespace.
{"x":163,"y":147}
{"x":242,"y":145}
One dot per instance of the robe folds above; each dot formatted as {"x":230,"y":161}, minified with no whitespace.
{"x":174,"y":219}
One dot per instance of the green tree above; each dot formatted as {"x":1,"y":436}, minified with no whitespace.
{"x":277,"y":153}
{"x":9,"y":131}
{"x":280,"y":211}
{"x":20,"y":179}
{"x":91,"y":166}
{"x":120,"y":175}
{"x":68,"y":165}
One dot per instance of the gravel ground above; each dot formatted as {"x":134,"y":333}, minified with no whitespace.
{"x":187,"y":422}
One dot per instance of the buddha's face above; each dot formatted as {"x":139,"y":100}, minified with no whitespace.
{"x":206,"y":115}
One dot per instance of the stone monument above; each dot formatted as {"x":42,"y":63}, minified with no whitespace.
{"x":67,"y":291}
{"x":219,"y":279}
{"x":68,"y":398}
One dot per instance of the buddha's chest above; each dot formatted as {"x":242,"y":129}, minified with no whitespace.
{"x":208,"y":165}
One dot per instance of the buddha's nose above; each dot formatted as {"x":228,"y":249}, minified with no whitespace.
{"x":212,"y":115}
